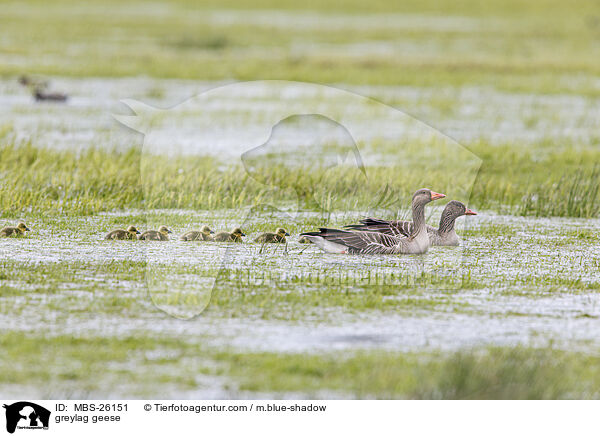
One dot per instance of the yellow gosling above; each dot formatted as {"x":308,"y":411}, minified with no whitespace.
{"x":235,"y":236}
{"x":162,"y":234}
{"x":205,"y":234}
{"x":123,"y":235}
{"x":273,"y":238}
{"x":19,"y":230}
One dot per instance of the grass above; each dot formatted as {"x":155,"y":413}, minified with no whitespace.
{"x":517,"y":46}
{"x":80,"y":270}
{"x":69,"y":361}
{"x":487,"y":373}
{"x":35,"y":180}
{"x":97,"y":285}
{"x":495,"y":373}
{"x":575,"y":195}
{"x":63,"y":277}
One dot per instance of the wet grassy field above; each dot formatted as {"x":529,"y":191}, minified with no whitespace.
{"x":512,"y":313}
{"x":547,"y":46}
{"x":300,"y":323}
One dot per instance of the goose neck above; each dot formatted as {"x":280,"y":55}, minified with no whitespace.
{"x":446,"y":223}
{"x":418,"y":212}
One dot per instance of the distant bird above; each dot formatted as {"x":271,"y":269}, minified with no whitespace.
{"x":303,"y":240}
{"x":38,"y":88}
{"x":353,"y":242}
{"x":19,"y":230}
{"x":41,"y":95}
{"x":235,"y":236}
{"x":25,"y":80}
{"x":120,"y":234}
{"x":203,"y":235}
{"x":31,"y":82}
{"x":276,"y":238}
{"x":444,"y":235}
{"x":162,"y":234}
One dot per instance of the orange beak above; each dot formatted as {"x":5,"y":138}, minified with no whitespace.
{"x":436,"y":196}
{"x":470,"y":212}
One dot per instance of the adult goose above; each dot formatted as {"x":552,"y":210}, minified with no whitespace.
{"x":444,"y":235}
{"x":41,"y":95}
{"x":353,"y":242}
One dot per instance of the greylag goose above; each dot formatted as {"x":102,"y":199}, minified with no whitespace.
{"x":40,"y":95}
{"x":205,"y":234}
{"x":352,"y":242}
{"x":162,"y":234}
{"x":444,"y":235}
{"x":276,"y":238}
{"x":120,"y":234}
{"x":33,"y":82}
{"x":19,"y":230}
{"x":235,"y":236}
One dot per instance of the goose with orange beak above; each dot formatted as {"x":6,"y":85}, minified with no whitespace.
{"x":368,"y":242}
{"x":444,"y":235}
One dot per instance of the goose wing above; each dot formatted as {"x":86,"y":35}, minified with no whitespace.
{"x":361,"y":242}
{"x":393,"y":228}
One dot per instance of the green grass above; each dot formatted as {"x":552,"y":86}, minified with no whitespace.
{"x":496,"y":373}
{"x":69,"y":362}
{"x":35,"y":180}
{"x":271,"y":285}
{"x":493,"y":373}
{"x":97,"y":286}
{"x":516,"y":45}
{"x":542,"y":47}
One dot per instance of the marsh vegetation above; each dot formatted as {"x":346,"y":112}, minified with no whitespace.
{"x":517,"y":315}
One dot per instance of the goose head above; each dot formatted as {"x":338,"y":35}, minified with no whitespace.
{"x":206,"y":230}
{"x":455,"y":209}
{"x":23,"y":227}
{"x":424,"y":196}
{"x":24,"y":80}
{"x":281,"y":232}
{"x":133,"y":230}
{"x":164,"y":230}
{"x":237,"y":232}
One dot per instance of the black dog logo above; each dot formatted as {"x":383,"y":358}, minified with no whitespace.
{"x":30,"y":413}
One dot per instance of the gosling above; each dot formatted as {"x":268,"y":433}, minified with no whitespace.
{"x":235,"y":236}
{"x":162,"y":234}
{"x":303,"y":240}
{"x":123,"y":235}
{"x":203,"y":235}
{"x":275,"y":238}
{"x":19,"y":230}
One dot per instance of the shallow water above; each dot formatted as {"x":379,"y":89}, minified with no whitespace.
{"x":526,"y":296}
{"x":466,"y":114}
{"x":526,"y":281}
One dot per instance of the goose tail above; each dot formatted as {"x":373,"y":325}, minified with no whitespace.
{"x":324,"y":244}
